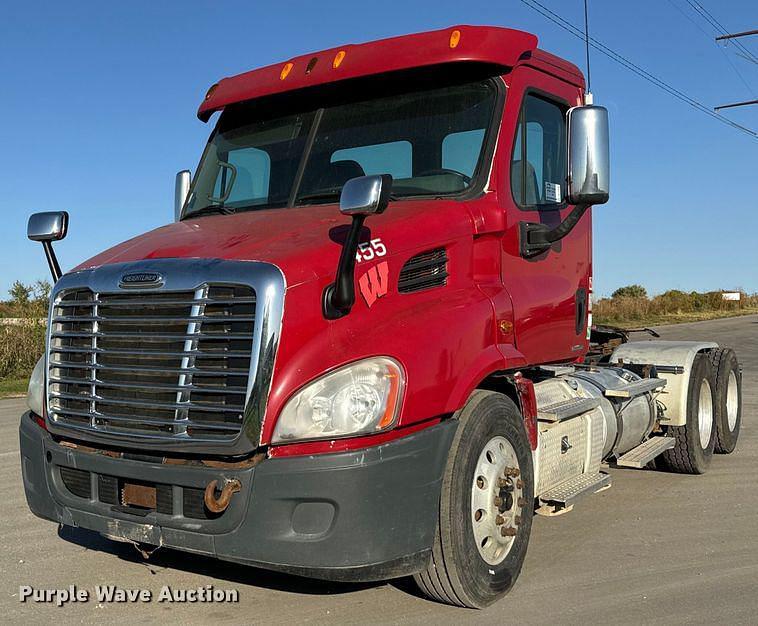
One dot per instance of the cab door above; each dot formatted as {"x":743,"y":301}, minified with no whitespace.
{"x":550,"y":291}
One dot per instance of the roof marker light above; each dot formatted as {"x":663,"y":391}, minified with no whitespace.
{"x":455,"y":37}
{"x":338,"y":59}
{"x":210,"y":91}
{"x":285,"y":71}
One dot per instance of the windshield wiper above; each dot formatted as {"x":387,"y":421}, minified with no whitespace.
{"x":333,"y":194}
{"x":329,"y":194}
{"x":211,"y":208}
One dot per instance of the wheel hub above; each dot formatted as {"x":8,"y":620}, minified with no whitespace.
{"x":496,"y":500}
{"x":705,"y":414}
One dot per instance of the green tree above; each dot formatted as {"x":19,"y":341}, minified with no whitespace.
{"x":20,"y":293}
{"x":630,"y":291}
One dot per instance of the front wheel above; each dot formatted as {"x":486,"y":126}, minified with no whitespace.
{"x":486,"y":506}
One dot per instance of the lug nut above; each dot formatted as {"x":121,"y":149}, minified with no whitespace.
{"x":499,"y":520}
{"x":502,"y":482}
{"x":512,"y":471}
{"x":519,"y":484}
{"x":508,"y":532}
{"x":498,"y":501}
{"x":521,"y":502}
{"x":517,"y":520}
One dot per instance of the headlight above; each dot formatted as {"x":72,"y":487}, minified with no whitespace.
{"x":35,"y":397}
{"x":360,"y":398}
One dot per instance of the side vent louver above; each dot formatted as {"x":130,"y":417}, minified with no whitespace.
{"x":424,"y":271}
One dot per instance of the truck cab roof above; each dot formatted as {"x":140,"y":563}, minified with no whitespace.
{"x":499,"y":48}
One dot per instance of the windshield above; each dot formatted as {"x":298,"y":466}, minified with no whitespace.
{"x":431,"y":141}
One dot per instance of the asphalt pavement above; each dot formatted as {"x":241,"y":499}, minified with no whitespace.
{"x":655,"y":548}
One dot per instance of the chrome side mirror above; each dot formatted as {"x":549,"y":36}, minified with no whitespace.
{"x":366,"y":195}
{"x":48,"y":227}
{"x":181,"y":191}
{"x":360,"y":197}
{"x":588,"y":155}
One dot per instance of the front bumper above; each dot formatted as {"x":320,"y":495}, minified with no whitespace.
{"x":364,"y":515}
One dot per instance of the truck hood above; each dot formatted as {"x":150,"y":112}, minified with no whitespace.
{"x":304,"y":242}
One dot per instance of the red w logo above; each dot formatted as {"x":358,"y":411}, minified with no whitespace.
{"x":374,"y":283}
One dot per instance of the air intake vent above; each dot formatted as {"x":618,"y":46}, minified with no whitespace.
{"x":423,"y":271}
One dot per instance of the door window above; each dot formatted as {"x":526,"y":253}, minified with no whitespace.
{"x":538,"y":167}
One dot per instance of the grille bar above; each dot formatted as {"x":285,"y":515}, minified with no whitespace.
{"x":142,"y":369}
{"x":147,"y":302}
{"x":172,"y":365}
{"x":151,"y":386}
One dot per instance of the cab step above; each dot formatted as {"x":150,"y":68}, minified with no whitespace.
{"x":574,"y":489}
{"x":640,"y":456}
{"x":637,"y":388}
{"x":566,"y":409}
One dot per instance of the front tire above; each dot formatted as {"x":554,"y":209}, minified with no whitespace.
{"x":696,"y":439}
{"x":486,"y":506}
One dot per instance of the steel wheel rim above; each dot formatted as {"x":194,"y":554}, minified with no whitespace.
{"x":496,"y":500}
{"x":705,"y":414}
{"x":732,"y":401}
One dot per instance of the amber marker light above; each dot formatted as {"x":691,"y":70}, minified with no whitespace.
{"x":210,"y":91}
{"x":338,"y":58}
{"x":455,"y":37}
{"x":285,"y":71}
{"x":392,"y":401}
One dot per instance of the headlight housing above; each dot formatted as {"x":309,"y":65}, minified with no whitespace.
{"x":35,"y":396}
{"x":361,"y":398}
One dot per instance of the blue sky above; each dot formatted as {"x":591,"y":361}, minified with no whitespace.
{"x":98,"y":113}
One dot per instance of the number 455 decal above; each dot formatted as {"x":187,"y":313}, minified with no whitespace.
{"x":370,"y":250}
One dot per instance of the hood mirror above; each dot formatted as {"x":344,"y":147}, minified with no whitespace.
{"x":181,"y":191}
{"x":48,"y":227}
{"x":366,"y":195}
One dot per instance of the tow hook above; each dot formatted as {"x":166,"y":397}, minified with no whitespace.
{"x":219,"y":505}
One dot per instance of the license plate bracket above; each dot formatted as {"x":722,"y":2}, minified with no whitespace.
{"x":136,"y":494}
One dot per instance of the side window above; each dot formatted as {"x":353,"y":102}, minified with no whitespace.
{"x":460,"y":151}
{"x":394,"y":157}
{"x":538,"y":166}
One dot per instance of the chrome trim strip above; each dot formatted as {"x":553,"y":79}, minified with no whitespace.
{"x":184,"y":275}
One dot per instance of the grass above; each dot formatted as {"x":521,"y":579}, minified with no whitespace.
{"x":671,"y":307}
{"x":13,"y":387}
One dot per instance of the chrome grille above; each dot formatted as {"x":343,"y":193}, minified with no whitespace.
{"x":171,"y":365}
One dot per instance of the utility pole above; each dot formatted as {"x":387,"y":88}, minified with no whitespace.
{"x":735,"y":35}
{"x":729,"y":37}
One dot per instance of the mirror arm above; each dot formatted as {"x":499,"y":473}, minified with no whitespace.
{"x":52,"y":261}
{"x":537,"y":238}
{"x":339,"y":297}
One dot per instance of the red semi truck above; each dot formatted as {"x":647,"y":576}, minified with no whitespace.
{"x":388,"y":387}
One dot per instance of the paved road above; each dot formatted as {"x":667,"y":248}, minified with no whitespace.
{"x":656,"y":548}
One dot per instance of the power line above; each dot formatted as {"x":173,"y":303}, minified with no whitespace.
{"x":721,"y":49}
{"x":719,"y":27}
{"x":631,"y":66}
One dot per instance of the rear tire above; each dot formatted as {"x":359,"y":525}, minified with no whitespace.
{"x":696,"y":439}
{"x":476,"y":560}
{"x":728,"y":409}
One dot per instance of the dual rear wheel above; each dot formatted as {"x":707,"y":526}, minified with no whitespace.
{"x":714,"y":407}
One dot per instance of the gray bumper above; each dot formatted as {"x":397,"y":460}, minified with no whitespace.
{"x":358,"y":516}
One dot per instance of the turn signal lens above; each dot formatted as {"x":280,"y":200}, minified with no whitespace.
{"x":285,"y":71}
{"x":338,"y":59}
{"x":455,"y":37}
